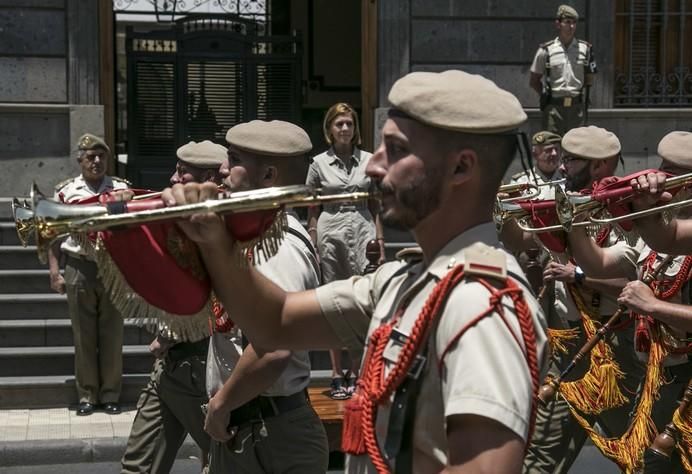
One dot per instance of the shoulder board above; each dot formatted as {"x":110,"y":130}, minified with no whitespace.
{"x":546,"y":44}
{"x":63,"y":183}
{"x":485,"y":261}
{"x":410,"y":254}
{"x":518,"y":175}
{"x":122,"y":180}
{"x":584,"y":42}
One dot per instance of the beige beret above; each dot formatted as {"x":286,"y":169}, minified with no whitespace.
{"x":545,"y":138}
{"x":565,"y":11}
{"x":591,"y":143}
{"x":89,"y":141}
{"x":204,"y":154}
{"x":676,"y":148}
{"x":458,"y":101}
{"x":275,"y":138}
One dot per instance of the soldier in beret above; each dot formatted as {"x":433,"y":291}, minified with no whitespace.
{"x":561,"y":73}
{"x":673,"y":312}
{"x":97,"y":327}
{"x":458,"y":404}
{"x":260,"y":394}
{"x":588,"y":154}
{"x":198,"y":163}
{"x":545,"y":149}
{"x":169,"y":406}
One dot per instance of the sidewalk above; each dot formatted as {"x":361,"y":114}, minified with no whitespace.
{"x":59,"y":436}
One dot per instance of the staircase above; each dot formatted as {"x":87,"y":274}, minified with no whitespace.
{"x":36,"y":347}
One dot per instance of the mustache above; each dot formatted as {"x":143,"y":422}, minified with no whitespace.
{"x":383,"y":189}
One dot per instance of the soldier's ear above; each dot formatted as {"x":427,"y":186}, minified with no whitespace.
{"x":463,"y":164}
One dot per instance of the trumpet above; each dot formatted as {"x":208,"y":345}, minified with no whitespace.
{"x":49,"y":220}
{"x":533,"y":188}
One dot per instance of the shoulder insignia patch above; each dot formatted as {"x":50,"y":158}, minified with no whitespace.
{"x":518,"y":175}
{"x":63,"y":183}
{"x":122,"y":180}
{"x":410,"y":254}
{"x":546,"y":44}
{"x":485,"y":261}
{"x":585,"y":42}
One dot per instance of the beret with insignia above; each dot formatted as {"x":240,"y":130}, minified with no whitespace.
{"x":566,"y":11}
{"x":89,"y":141}
{"x":545,"y":138}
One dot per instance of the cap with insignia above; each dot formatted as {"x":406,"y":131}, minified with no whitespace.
{"x":591,"y":143}
{"x":204,"y":154}
{"x":457,"y":101}
{"x":90,"y":141}
{"x":566,"y":11}
{"x":275,"y":138}
{"x":545,"y":138}
{"x":676,"y":148}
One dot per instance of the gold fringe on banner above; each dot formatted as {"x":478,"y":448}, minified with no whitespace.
{"x":266,"y":245}
{"x":559,"y":338}
{"x":684,"y":445}
{"x":181,"y":327}
{"x":627,"y":451}
{"x":598,"y":389}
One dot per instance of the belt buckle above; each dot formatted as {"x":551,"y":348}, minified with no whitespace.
{"x":567,"y":101}
{"x":347,"y":207}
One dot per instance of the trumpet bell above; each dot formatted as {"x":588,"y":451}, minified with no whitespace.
{"x":24,"y":221}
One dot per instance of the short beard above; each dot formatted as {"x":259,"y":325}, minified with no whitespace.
{"x":579,"y":181}
{"x":416,"y":201}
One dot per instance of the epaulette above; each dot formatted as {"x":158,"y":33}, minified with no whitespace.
{"x":486,"y":261}
{"x":546,"y":44}
{"x":62,"y":184}
{"x":410,"y":254}
{"x":122,"y":180}
{"x":518,"y":175}
{"x":585,"y":42}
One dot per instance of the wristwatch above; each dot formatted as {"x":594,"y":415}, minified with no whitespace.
{"x":579,"y":275}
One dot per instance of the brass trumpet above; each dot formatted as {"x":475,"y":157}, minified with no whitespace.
{"x":533,"y":188}
{"x":49,"y":220}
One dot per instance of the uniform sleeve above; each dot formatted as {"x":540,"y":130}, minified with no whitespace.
{"x":538,"y":65}
{"x":627,"y":257}
{"x":348,"y":305}
{"x":485,"y":373}
{"x":313,"y":178}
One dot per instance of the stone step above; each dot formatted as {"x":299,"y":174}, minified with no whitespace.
{"x":55,"y":391}
{"x":16,"y":257}
{"x":25,"y":281}
{"x":36,"y":306}
{"x":8,"y":234}
{"x":6,"y":208}
{"x":59,"y":360}
{"x":57,"y":332}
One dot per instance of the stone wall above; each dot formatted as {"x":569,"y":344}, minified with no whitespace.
{"x":49,"y":89}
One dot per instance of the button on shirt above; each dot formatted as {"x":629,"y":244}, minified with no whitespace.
{"x":73,"y":191}
{"x":566,"y":72}
{"x":484,"y":374}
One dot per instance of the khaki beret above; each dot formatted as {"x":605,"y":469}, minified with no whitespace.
{"x":275,"y":138}
{"x":591,"y":143}
{"x":458,"y":101}
{"x":545,"y":138}
{"x":565,"y":11}
{"x":89,"y":141}
{"x":204,"y":154}
{"x":676,"y":148}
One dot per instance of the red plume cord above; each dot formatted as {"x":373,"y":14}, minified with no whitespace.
{"x":359,"y":436}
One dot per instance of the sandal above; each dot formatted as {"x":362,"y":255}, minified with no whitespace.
{"x":337,"y":390}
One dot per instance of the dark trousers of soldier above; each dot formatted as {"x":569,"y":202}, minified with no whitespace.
{"x":97,"y":328}
{"x":168,"y":409}
{"x":676,"y":380}
{"x":293,"y":442}
{"x":560,"y":119}
{"x":558,"y":437}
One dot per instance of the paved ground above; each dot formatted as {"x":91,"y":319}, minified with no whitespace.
{"x":52,"y":441}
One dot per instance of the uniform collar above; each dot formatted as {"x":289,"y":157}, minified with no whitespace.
{"x":569,"y":46}
{"x":106,"y":184}
{"x":453,"y":252}
{"x":355,"y":156}
{"x":555,"y":176}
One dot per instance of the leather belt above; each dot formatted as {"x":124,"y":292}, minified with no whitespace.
{"x":266,"y":407}
{"x":344,"y":207}
{"x":566,"y":101}
{"x":183,"y":350}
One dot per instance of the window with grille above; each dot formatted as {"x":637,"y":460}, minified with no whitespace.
{"x":653,"y":53}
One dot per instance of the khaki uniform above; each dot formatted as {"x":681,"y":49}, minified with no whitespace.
{"x":494,"y":384}
{"x":97,"y":326}
{"x":293,"y":440}
{"x":169,"y":408}
{"x":563,"y":70}
{"x":546,"y":192}
{"x":558,"y":438}
{"x":343,"y":231}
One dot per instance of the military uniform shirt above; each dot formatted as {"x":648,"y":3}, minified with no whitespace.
{"x":484,"y":374}
{"x":545,"y":192}
{"x":566,"y":72}
{"x":76,"y":189}
{"x":343,"y":231}
{"x":293,"y":268}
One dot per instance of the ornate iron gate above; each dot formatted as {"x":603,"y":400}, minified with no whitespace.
{"x":199,"y":79}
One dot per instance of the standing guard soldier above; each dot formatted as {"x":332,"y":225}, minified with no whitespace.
{"x":562,"y":73}
{"x":97,"y":326}
{"x":432,"y":395}
{"x":169,"y":406}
